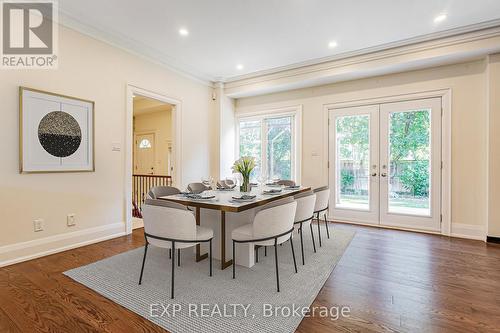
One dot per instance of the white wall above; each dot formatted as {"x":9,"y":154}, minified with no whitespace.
{"x":493,"y":81}
{"x":95,"y":71}
{"x":227,"y":134}
{"x":469,"y":124}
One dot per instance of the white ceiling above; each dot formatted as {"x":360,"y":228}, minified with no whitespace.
{"x":144,"y":105}
{"x":263,"y":34}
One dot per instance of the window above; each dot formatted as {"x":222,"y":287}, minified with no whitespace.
{"x":251,"y":143}
{"x":272,"y":140}
{"x":145,"y":143}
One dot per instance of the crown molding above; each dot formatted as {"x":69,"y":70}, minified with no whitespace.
{"x":460,"y":48}
{"x":421,"y":43}
{"x":134,"y":47}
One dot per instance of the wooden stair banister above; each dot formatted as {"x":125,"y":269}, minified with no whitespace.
{"x":140,"y":187}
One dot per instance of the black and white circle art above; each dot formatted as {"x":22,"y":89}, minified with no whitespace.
{"x":59,"y":134}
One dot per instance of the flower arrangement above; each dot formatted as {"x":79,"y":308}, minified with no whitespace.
{"x":244,"y":166}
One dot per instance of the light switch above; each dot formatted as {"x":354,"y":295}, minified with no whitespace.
{"x":70,"y":220}
{"x":116,"y":146}
{"x":38,"y":225}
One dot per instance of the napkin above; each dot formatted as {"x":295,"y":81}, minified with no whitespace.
{"x":225,"y":185}
{"x":273,"y":191}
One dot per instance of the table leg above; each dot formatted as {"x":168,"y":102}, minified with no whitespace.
{"x":224,"y":264}
{"x":199,"y":256}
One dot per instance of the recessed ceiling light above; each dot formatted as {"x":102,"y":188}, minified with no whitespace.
{"x":183,"y":32}
{"x":332,"y":44}
{"x":440,"y":18}
{"x":239,"y":67}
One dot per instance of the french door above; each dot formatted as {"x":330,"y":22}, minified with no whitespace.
{"x":385,"y":164}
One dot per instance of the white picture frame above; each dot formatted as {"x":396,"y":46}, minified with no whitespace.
{"x":56,"y":133}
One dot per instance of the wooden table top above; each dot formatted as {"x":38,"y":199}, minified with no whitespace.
{"x":223,"y":199}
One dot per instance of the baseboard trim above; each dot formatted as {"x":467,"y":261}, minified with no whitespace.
{"x":24,"y":251}
{"x":469,"y":231}
{"x":381,"y":226}
{"x":459,"y":230}
{"x":494,"y":240}
{"x":137,"y":223}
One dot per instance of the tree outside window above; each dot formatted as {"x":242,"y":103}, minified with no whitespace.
{"x":270,"y":141}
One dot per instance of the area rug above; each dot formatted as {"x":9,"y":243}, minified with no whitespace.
{"x":249,"y":303}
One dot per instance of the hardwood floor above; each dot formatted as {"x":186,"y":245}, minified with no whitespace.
{"x":392,"y":281}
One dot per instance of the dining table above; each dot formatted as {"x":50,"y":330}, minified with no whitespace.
{"x":223,"y":213}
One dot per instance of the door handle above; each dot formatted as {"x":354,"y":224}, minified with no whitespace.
{"x":384,"y":174}
{"x":374,"y":174}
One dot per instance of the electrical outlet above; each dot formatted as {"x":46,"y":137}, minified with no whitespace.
{"x":38,"y":225}
{"x":70,"y":220}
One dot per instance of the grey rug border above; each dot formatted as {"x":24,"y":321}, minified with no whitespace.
{"x":327,"y":275}
{"x":324,"y":278}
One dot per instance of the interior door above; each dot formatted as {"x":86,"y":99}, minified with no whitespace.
{"x":144,"y":158}
{"x":354,"y":156}
{"x":410,"y":159}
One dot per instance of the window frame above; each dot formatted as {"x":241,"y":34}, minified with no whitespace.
{"x":296,"y":112}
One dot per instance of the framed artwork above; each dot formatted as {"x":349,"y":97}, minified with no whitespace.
{"x":56,"y":132}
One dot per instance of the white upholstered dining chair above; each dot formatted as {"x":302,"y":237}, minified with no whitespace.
{"x":197,"y":188}
{"x":171,"y":226}
{"x":162,"y":191}
{"x":286,"y":182}
{"x":304,"y":215}
{"x":157,"y":192}
{"x":321,"y":208}
{"x":271,"y":226}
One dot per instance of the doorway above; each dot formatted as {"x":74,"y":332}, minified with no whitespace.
{"x":152,"y":146}
{"x":386,"y":164}
{"x":153,"y":129}
{"x":166,"y":150}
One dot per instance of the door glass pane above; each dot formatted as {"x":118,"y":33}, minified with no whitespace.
{"x":145,"y":143}
{"x":279,"y":147}
{"x":353,"y":162}
{"x":410,"y":160}
{"x":250,"y":143}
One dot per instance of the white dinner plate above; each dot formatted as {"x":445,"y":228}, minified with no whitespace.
{"x":202,"y":199}
{"x":242,"y":200}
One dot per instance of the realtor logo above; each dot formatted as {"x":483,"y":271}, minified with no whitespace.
{"x":29,"y":34}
